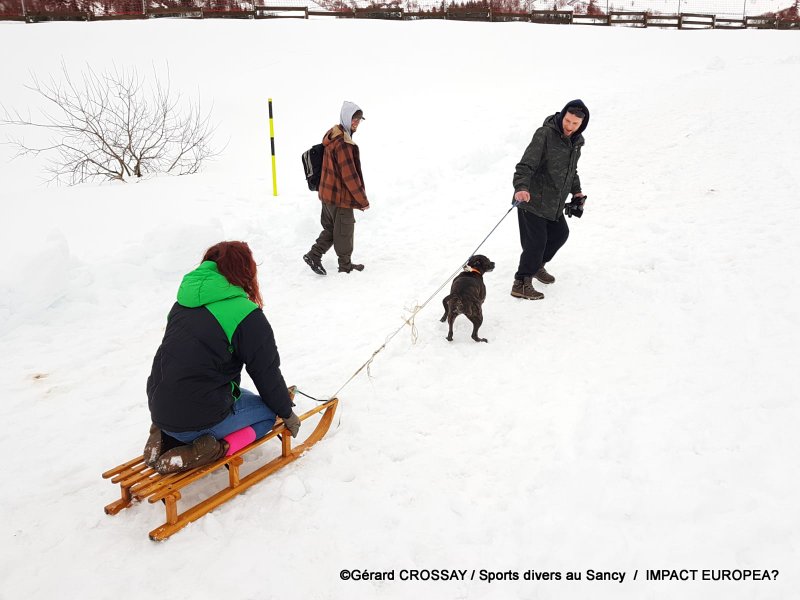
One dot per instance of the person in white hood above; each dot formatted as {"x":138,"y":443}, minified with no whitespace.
{"x":341,"y":189}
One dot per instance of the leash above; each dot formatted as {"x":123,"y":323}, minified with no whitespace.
{"x":514,"y":205}
{"x":410,"y":320}
{"x":312,"y":397}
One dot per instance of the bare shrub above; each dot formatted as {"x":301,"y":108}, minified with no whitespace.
{"x":115,"y":125}
{"x":791,"y":13}
{"x":594,"y":10}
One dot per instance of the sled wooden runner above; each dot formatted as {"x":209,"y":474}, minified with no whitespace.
{"x":137,"y":481}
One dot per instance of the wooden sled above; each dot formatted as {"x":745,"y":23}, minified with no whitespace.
{"x":137,"y":481}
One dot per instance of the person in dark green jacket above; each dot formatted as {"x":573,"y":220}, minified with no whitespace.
{"x":546,"y":175}
{"x":215,"y":328}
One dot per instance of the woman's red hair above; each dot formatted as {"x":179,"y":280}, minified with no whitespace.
{"x":235,"y":262}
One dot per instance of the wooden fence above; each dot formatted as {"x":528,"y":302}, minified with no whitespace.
{"x":487,"y":13}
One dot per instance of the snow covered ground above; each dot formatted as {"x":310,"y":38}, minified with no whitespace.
{"x":644,"y":415}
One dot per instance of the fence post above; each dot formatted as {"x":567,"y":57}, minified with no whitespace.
{"x":24,"y":12}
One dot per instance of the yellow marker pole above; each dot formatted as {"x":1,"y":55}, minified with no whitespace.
{"x":272,"y":143}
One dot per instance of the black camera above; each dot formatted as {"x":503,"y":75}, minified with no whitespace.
{"x":574,"y":208}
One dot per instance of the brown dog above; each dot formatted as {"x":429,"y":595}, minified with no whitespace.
{"x":467,"y":294}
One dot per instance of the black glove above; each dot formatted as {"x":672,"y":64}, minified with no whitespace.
{"x":292,"y":423}
{"x":575,"y":207}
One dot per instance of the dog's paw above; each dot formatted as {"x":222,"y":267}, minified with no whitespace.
{"x":449,"y":338}
{"x":443,"y":319}
{"x":477,"y":339}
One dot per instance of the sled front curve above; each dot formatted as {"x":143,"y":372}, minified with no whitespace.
{"x":138,"y":481}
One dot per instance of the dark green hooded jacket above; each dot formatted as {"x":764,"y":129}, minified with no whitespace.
{"x":548,"y":169}
{"x":212,"y":331}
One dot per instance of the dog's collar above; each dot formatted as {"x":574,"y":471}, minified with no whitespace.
{"x":469,"y":269}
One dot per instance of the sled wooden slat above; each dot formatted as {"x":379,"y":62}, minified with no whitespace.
{"x":134,"y":472}
{"x":122,"y":467}
{"x":143,"y":489}
{"x":137,"y":481}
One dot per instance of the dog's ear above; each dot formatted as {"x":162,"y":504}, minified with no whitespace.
{"x":477,"y":260}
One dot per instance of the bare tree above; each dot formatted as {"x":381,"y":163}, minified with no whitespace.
{"x":114,"y":125}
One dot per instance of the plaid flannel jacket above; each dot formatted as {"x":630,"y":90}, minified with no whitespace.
{"x":341,"y":182}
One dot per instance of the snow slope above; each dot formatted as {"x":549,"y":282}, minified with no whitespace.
{"x":642,"y":416}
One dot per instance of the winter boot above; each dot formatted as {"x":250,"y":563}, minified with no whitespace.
{"x":516,"y":289}
{"x":315,"y":264}
{"x":202,"y":451}
{"x":524,"y":289}
{"x":350,"y":267}
{"x":544,"y":276}
{"x":152,"y":449}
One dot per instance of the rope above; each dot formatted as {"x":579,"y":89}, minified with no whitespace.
{"x":410,"y":320}
{"x":296,"y":391}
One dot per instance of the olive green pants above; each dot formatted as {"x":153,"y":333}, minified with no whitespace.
{"x":338,"y":228}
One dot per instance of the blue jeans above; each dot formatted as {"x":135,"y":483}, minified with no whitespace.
{"x":249,"y":409}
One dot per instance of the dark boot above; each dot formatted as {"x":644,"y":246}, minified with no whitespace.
{"x":524,"y":289}
{"x":152,"y":449}
{"x":202,"y":451}
{"x":350,"y":267}
{"x":315,"y":263}
{"x":544,"y":276}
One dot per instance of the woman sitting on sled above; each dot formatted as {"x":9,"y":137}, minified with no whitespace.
{"x":216,"y":327}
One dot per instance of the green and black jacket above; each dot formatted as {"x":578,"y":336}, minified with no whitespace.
{"x":212,"y":331}
{"x":548,"y":169}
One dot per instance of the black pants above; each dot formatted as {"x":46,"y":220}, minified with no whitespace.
{"x":540,"y":241}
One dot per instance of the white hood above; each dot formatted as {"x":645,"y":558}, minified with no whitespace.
{"x":346,"y":115}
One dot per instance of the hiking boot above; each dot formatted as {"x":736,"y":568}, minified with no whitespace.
{"x":315,"y":264}
{"x":351,"y":267}
{"x":516,"y":289}
{"x":524,"y":289}
{"x":152,"y":449}
{"x":202,"y":451}
{"x":544,"y":276}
